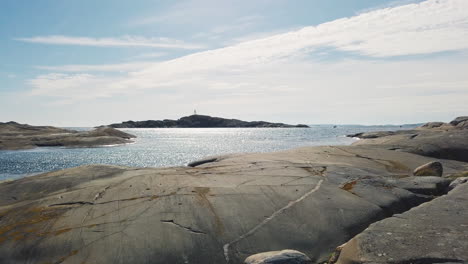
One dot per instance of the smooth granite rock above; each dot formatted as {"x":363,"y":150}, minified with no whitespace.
{"x":435,"y":232}
{"x":443,"y":144}
{"x":221,"y":211}
{"x":432,"y":125}
{"x":286,"y":256}
{"x":15,"y":136}
{"x":457,"y":182}
{"x":459,"y":120}
{"x":463,"y":125}
{"x":433,"y":168}
{"x":428,"y":185}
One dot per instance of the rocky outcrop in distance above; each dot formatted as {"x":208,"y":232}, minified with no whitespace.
{"x":14,"y":136}
{"x":199,"y":121}
{"x":435,"y":139}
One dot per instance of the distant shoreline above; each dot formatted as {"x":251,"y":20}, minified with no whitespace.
{"x":202,"y":121}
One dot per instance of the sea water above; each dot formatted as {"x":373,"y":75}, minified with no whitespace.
{"x":162,"y":147}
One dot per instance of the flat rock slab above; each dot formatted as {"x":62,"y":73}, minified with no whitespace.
{"x":435,"y":232}
{"x":308,"y":199}
{"x":437,"y":143}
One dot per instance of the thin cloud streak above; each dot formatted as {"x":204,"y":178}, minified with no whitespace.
{"x":118,"y":67}
{"x":127,"y":41}
{"x":149,"y":55}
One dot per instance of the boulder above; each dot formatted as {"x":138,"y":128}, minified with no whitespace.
{"x":433,"y":168}
{"x":286,"y":256}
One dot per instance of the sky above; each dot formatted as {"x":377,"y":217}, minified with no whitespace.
{"x":89,"y":63}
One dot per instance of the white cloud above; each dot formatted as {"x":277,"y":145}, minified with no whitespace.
{"x":253,"y":76}
{"x":126,"y":41}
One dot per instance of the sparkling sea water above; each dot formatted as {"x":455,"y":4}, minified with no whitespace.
{"x":162,"y":147}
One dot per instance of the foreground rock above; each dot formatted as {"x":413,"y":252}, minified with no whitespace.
{"x":434,"y":232}
{"x":220,"y":211}
{"x":279,"y":257}
{"x":447,"y":141}
{"x":15,"y":136}
{"x":198,"y":121}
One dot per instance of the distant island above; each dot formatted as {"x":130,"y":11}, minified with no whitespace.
{"x":199,"y":121}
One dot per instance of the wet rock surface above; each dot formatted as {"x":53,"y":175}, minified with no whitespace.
{"x":223,"y":211}
{"x":14,"y":136}
{"x":435,"y":232}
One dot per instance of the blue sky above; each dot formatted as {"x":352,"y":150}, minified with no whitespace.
{"x":85,"y":63}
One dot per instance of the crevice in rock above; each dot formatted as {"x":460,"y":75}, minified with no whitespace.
{"x":72,"y":203}
{"x":201,"y":162}
{"x":101,"y":193}
{"x":191,"y":230}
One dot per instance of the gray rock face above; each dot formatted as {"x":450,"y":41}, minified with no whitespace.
{"x":309,"y":199}
{"x":457,"y":182}
{"x":432,"y":125}
{"x":18,"y":136}
{"x":435,"y":232}
{"x":428,"y":185}
{"x":459,"y":120}
{"x":433,"y":168}
{"x":443,"y":144}
{"x":434,"y":139}
{"x":463,"y":125}
{"x":287,"y":256}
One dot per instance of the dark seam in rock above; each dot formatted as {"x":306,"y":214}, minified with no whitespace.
{"x":101,"y":193}
{"x":72,"y":203}
{"x":184,"y":227}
